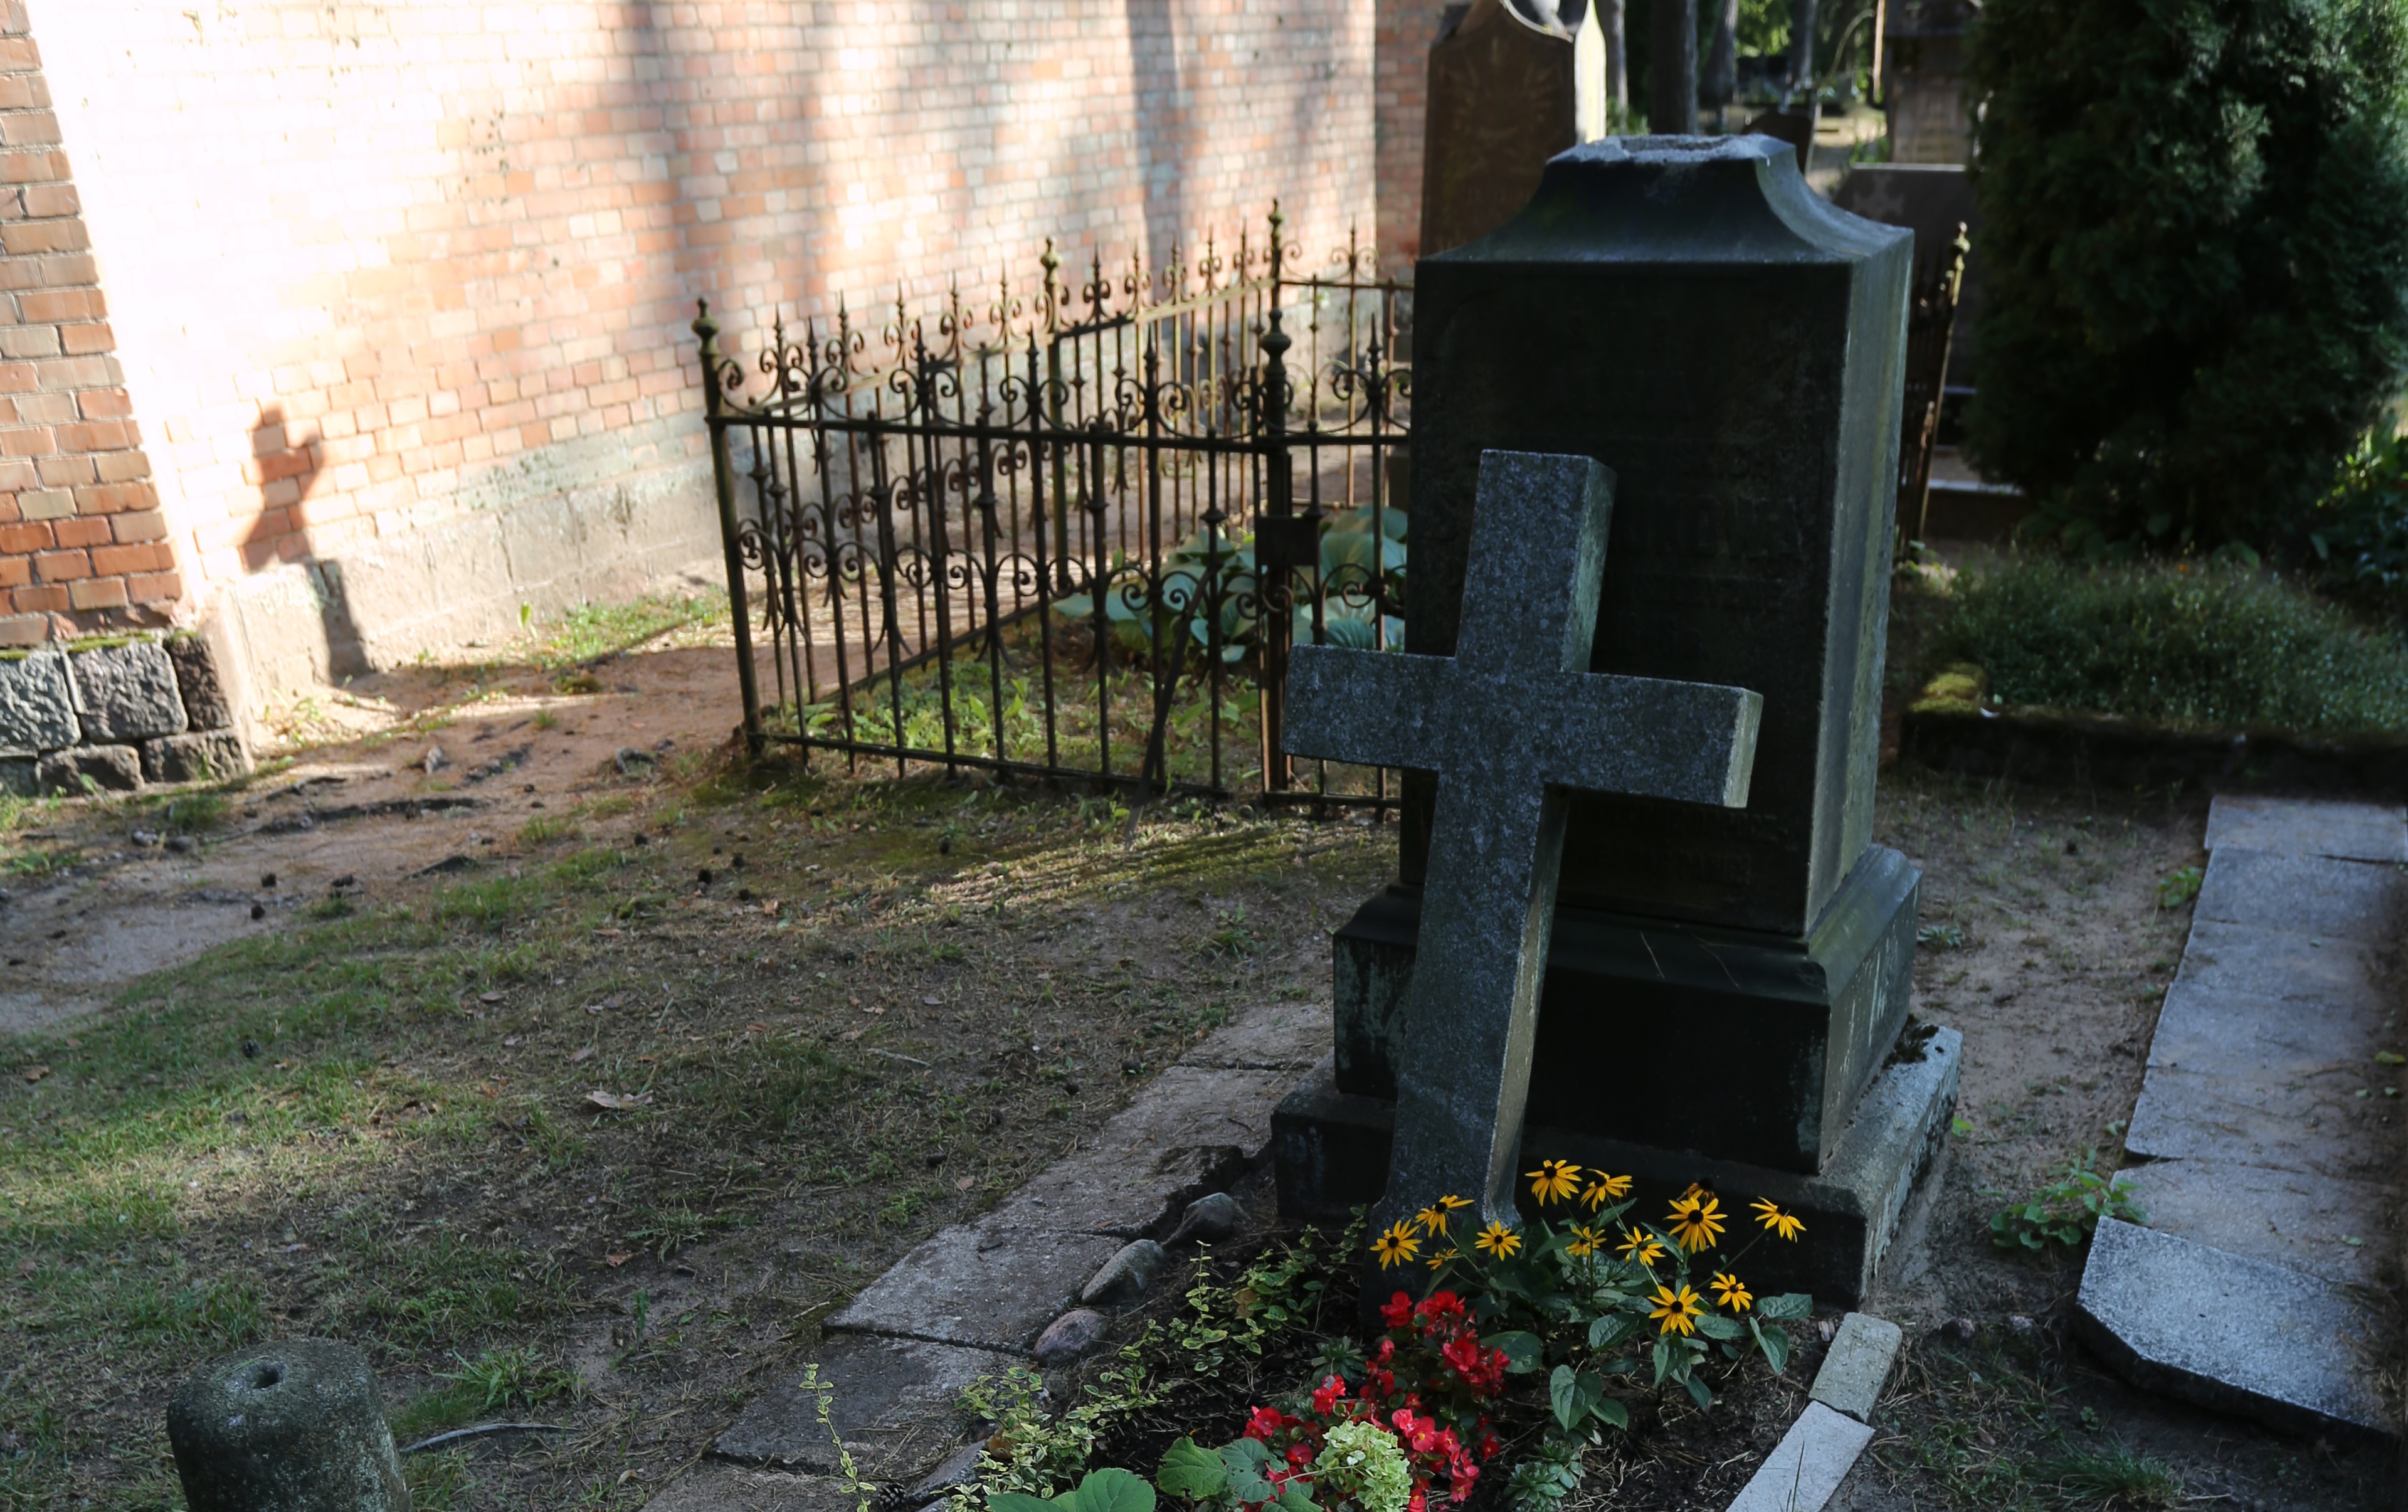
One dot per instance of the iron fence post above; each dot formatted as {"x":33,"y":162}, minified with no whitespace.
{"x":748,"y":680}
{"x":1279,"y":486}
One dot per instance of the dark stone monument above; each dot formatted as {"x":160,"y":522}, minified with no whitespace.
{"x":1686,"y":312}
{"x":297,"y":1426}
{"x":1509,"y":724}
{"x":1502,"y":101}
{"x":1932,"y":200}
{"x":1673,"y":67}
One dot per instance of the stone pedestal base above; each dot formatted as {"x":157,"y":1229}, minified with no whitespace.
{"x":1747,"y":1046}
{"x":1332,"y":1154}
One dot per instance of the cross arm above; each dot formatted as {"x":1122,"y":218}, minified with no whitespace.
{"x":1374,"y":707}
{"x":1651,"y":738}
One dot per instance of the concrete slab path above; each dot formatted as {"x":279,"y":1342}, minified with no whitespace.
{"x":2267,"y":1141}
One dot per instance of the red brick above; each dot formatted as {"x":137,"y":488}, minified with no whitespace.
{"x":80,"y":531}
{"x":145,"y":556}
{"x":62,"y":567}
{"x":15,"y":571}
{"x":45,"y":598}
{"x":156,"y":587}
{"x":25,"y":539}
{"x":99,"y":593}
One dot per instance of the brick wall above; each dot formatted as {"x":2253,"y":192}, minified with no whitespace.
{"x":1400,"y":95}
{"x":381,"y":273}
{"x":80,"y":529}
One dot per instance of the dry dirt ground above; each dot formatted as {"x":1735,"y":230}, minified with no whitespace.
{"x":835,"y":1014}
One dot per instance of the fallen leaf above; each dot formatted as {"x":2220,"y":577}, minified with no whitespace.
{"x":290,"y":1249}
{"x":509,"y":1041}
{"x":965,"y":1183}
{"x":489,"y":997}
{"x":622,"y":1258}
{"x":608,"y":934}
{"x":615,"y":1102}
{"x":852,"y":1034}
{"x":34,"y":1073}
{"x":490,"y":1089}
{"x":757,"y":1028}
{"x":74,"y":1043}
{"x":933,"y":1003}
{"x":2382,"y":1057}
{"x":28,"y":1266}
{"x":586,"y":1054}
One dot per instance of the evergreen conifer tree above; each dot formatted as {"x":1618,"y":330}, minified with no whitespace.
{"x":2195,"y":259}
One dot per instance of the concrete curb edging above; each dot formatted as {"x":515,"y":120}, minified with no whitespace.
{"x":1805,"y":1469}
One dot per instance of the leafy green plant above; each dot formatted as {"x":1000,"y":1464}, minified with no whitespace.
{"x":519,"y":1376}
{"x":2179,"y":887}
{"x":2361,"y":529}
{"x":1941,"y":937}
{"x":2116,"y":1476}
{"x":2067,"y":1211}
{"x":1099,"y":1490}
{"x":2218,"y":645}
{"x":2180,"y":343}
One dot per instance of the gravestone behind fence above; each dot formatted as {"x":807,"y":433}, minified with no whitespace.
{"x":1725,"y":982}
{"x":1502,"y":101}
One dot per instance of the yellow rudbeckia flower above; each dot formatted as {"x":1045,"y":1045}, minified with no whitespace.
{"x":1697,"y":1220}
{"x":1553,"y":1181}
{"x":1499,"y":1240}
{"x":1787,"y":1224}
{"x":1396,"y":1245}
{"x":1639,"y":1247}
{"x":1678,"y":1311}
{"x":1732,"y":1292}
{"x":1585,"y":1243}
{"x":1604,"y":1186}
{"x":1439,"y":1259}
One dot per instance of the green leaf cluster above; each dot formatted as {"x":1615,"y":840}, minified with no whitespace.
{"x":2067,"y":1211}
{"x":1100,"y":1491}
{"x":2193,"y":259}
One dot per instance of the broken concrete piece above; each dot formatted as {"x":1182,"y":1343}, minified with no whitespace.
{"x":989,"y":1284}
{"x":2234,"y":1334}
{"x":1857,"y":1365}
{"x":894,"y":1402}
{"x":1806,"y":1467}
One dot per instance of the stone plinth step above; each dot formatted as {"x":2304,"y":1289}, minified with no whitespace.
{"x":2235,"y":1334}
{"x":1332,"y":1154}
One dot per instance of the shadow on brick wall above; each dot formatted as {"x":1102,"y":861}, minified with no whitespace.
{"x":284,"y":467}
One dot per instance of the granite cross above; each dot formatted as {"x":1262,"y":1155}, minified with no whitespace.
{"x":1510,"y":722}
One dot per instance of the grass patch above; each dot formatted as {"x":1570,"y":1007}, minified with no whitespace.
{"x":2206,"y":644}
{"x":590,"y":632}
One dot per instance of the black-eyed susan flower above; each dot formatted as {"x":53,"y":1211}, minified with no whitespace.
{"x":1697,"y":1220}
{"x":1677,"y":1312}
{"x":1639,"y":1247}
{"x":1434,"y":1217}
{"x":1602,"y":1187}
{"x":1439,"y":1259}
{"x":1554,"y":1180}
{"x":1585,"y":1241}
{"x":1787,"y":1224}
{"x":1395,"y":1246}
{"x":1732,"y":1292}
{"x":1499,"y":1240}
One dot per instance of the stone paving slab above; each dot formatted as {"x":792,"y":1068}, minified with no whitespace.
{"x":990,"y":1285}
{"x":2317,"y":1129}
{"x":727,"y":1488}
{"x":2309,"y":826}
{"x":1190,"y":1132}
{"x":2306,"y":895}
{"x":1807,"y":1465}
{"x":2279,"y":1217}
{"x":1857,"y":1366}
{"x":1273,"y":1036}
{"x":2284,"y":967}
{"x":2227,"y":1333}
{"x":897,"y":1405}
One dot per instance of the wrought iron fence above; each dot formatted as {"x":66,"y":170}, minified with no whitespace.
{"x":1075,"y":531}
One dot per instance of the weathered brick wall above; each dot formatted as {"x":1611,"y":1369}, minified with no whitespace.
{"x":80,"y":530}
{"x":1400,"y":92}
{"x":402,"y":289}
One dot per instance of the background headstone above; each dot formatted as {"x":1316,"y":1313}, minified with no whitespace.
{"x":1929,"y":199}
{"x":1502,"y":101}
{"x":1686,"y":311}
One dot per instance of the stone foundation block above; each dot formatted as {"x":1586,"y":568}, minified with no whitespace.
{"x":197,"y":683}
{"x":192,"y":758}
{"x":126,"y":693}
{"x":115,"y":768}
{"x":1331,"y":1150}
{"x":896,"y":1405}
{"x":18,"y":775}
{"x":36,"y":704}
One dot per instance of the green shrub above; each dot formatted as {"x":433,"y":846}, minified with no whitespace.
{"x":2193,"y":260}
{"x":2220,"y":646}
{"x":2360,"y":531}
